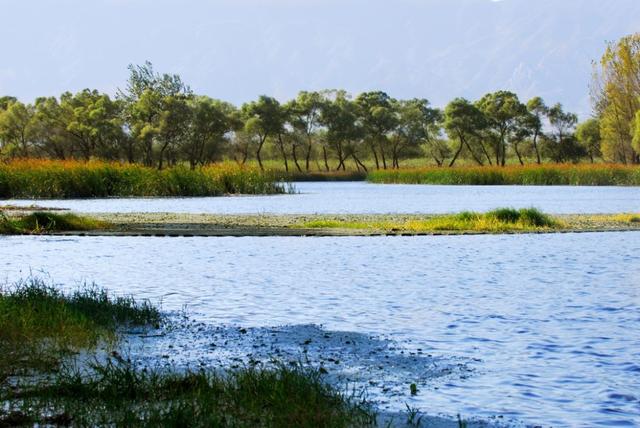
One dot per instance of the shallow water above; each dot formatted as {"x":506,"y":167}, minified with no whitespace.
{"x":366,"y":198}
{"x":549,"y":324}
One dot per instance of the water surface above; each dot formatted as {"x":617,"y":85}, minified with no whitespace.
{"x":366,"y":198}
{"x":550,"y":323}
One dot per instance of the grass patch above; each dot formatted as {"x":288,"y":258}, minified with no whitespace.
{"x":39,"y":324}
{"x":45,"y":222}
{"x":117,"y":393}
{"x":543,"y":175}
{"x":499,"y":220}
{"x":75,"y":179}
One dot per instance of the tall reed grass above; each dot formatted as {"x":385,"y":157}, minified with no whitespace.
{"x":33,"y":178}
{"x":543,"y":175}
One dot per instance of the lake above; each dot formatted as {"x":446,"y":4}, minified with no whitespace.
{"x":367,"y":198}
{"x":550,"y":324}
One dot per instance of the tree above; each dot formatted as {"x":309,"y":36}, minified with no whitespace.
{"x":376,"y":113}
{"x":416,"y":124}
{"x":538,"y":111}
{"x":463,"y":122}
{"x":561,"y":144}
{"x":305,"y":113}
{"x":49,"y":129}
{"x":6,"y":100}
{"x":263,"y":118}
{"x":93,"y":123}
{"x":16,"y":128}
{"x":502,"y":110}
{"x":615,"y":94}
{"x":340,"y":117}
{"x":588,"y":135}
{"x":211,"y":120}
{"x":156,"y":109}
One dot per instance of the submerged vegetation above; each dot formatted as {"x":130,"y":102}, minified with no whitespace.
{"x":76,"y":179}
{"x":499,"y":220}
{"x":47,"y":222}
{"x":544,"y":175}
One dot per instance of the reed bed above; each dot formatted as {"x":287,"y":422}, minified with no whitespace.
{"x":34,"y":178}
{"x":540,"y":175}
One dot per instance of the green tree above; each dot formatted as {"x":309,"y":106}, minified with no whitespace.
{"x":561,"y":144}
{"x":538,"y":111}
{"x":211,"y":121}
{"x":343,"y":131}
{"x":263,"y":118}
{"x":93,"y":123}
{"x":588,"y":135}
{"x":463,"y":123}
{"x":616,"y":98}
{"x":16,"y":128}
{"x":305,"y":111}
{"x":378,"y":118}
{"x":156,"y":109}
{"x":503,"y":110}
{"x":416,"y":124}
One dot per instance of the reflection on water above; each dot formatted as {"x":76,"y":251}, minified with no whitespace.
{"x":361,"y":197}
{"x":553,"y":319}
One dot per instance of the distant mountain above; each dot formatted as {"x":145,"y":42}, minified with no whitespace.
{"x":238,"y":49}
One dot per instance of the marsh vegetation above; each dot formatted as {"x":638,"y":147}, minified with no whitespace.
{"x":42,"y":329}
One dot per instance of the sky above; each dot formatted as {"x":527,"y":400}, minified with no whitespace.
{"x":237,"y":50}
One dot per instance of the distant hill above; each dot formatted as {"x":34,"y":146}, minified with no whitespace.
{"x":238,"y":49}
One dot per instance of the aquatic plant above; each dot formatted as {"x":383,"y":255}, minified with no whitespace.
{"x":121,"y":393}
{"x":74,"y":179}
{"x":545,"y":175}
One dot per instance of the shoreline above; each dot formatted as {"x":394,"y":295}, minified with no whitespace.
{"x":293,"y":225}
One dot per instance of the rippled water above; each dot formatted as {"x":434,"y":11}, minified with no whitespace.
{"x":361,"y":197}
{"x":550,"y":323}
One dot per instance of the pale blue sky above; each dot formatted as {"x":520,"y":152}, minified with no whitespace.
{"x":239,"y":49}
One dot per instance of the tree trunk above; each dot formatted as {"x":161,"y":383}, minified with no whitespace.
{"x":358,"y":162}
{"x":308,"y":155}
{"x":535,"y":147}
{"x":295,"y":158}
{"x":324,"y":154}
{"x":283,"y":152}
{"x":384,"y":158}
{"x":262,"y":140}
{"x":375,"y":155}
{"x":515,"y":147}
{"x":457,"y":153}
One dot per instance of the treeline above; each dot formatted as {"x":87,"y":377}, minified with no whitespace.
{"x":157,"y":120}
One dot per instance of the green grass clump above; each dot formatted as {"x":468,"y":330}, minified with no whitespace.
{"x":117,"y":393}
{"x":39,"y":324}
{"x":542,"y":175}
{"x":499,"y":220}
{"x":75,"y":179}
{"x":44,"y":222}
